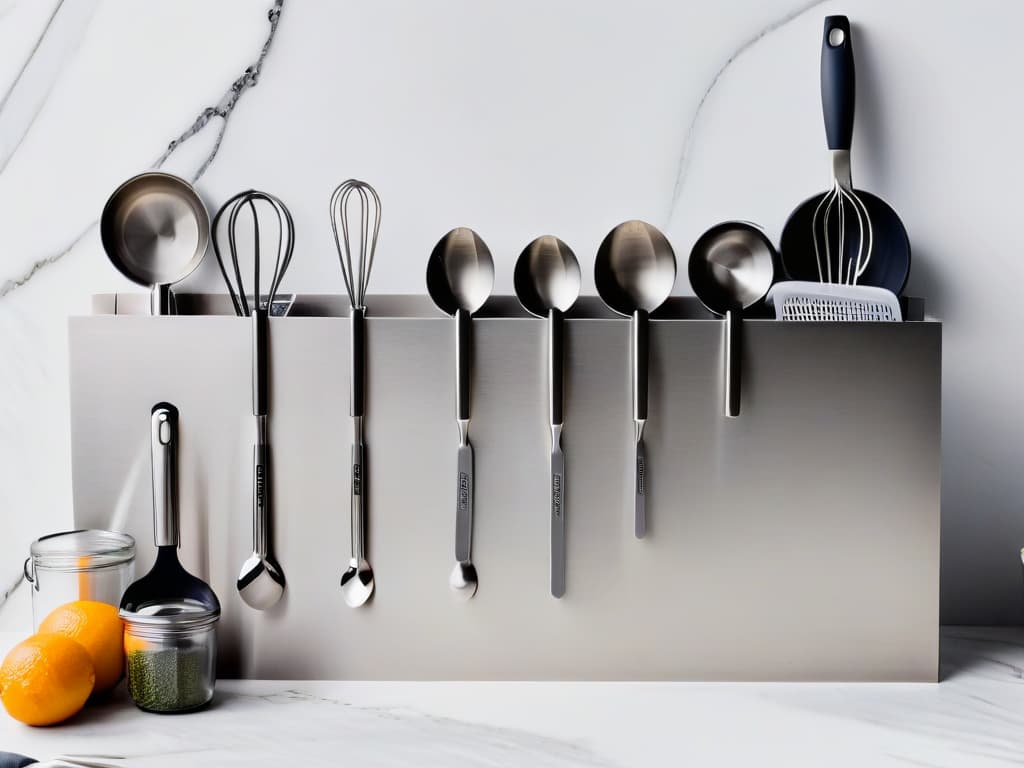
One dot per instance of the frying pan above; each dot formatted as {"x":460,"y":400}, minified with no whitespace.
{"x":889,"y":263}
{"x":155,"y":230}
{"x":731,"y":267}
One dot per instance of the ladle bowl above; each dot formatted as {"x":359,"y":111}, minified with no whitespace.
{"x":731,"y":268}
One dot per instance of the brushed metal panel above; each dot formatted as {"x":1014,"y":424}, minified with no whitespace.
{"x":797,"y":542}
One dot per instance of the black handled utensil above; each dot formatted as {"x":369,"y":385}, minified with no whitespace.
{"x":167,"y":583}
{"x":460,"y":276}
{"x":261,"y":581}
{"x":547,"y":281}
{"x":845,"y":235}
{"x":634,"y":273}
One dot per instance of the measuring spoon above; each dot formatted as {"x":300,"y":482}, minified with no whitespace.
{"x":460,"y":276}
{"x":634,"y":274}
{"x":731,"y":267}
{"x":547,"y":281}
{"x":155,"y":230}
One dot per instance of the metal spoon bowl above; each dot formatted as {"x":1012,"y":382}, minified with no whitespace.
{"x":635,"y":268}
{"x":357,"y":583}
{"x":260,"y":582}
{"x":634,"y":273}
{"x":463,"y":580}
{"x":547,"y":276}
{"x":731,"y":266}
{"x":460,"y":272}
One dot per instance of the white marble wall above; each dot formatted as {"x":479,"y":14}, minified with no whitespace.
{"x":517,"y":119}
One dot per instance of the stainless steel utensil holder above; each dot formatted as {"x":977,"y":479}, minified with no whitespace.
{"x":797,"y":542}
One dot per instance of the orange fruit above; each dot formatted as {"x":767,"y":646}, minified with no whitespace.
{"x":46,"y":679}
{"x":100,"y":631}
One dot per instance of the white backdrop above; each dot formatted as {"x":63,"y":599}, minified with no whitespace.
{"x":520,"y":119}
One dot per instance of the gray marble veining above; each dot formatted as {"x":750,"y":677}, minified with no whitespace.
{"x":28,"y":92}
{"x":222,"y":111}
{"x":691,"y":132}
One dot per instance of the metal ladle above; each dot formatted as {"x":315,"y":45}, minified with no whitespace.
{"x":547,"y":281}
{"x":460,"y":275}
{"x":731,"y":267}
{"x":155,"y":230}
{"x":634,"y":274}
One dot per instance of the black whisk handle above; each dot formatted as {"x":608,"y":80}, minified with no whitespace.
{"x":260,"y":331}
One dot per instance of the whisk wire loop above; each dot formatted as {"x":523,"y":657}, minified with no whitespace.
{"x":356,"y":271}
{"x":835,"y":230}
{"x":248,"y":200}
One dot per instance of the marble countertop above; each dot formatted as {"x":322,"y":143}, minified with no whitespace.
{"x":975,"y":717}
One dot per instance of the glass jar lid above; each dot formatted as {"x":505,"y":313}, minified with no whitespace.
{"x":82,"y":550}
{"x":161,"y":617}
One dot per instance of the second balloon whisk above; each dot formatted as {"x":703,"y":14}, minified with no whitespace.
{"x":357,"y":200}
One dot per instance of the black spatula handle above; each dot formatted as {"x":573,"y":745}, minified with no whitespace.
{"x":838,"y":82}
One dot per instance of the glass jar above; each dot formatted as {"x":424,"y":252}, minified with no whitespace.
{"x":78,"y":565}
{"x":171,"y":652}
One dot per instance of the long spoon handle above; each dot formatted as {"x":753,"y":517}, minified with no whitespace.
{"x":260,"y":491}
{"x":464,"y":485}
{"x":357,"y":323}
{"x":640,"y":485}
{"x":463,"y":362}
{"x":557,"y":516}
{"x":733,"y":375}
{"x":357,"y":511}
{"x":640,"y":345}
{"x":557,"y":487}
{"x":260,"y":469}
{"x":556,"y":363}
{"x":260,"y":331}
{"x":464,"y":504}
{"x":640,"y":353}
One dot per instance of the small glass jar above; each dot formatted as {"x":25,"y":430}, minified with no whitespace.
{"x":171,"y":653}
{"x":78,"y":565}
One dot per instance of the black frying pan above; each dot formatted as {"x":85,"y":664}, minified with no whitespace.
{"x":889,"y":262}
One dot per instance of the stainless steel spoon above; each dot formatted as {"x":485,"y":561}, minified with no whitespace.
{"x":634,"y":274}
{"x":731,"y":268}
{"x":460,"y":275}
{"x":547,"y":280}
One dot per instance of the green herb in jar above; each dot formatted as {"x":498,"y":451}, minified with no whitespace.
{"x":168,"y":680}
